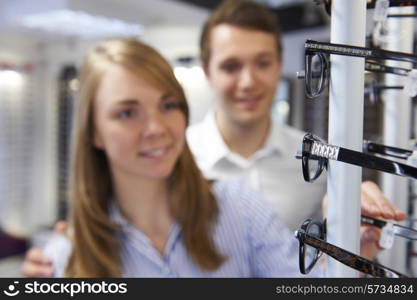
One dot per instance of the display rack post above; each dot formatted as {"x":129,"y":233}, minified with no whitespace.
{"x":348,"y":26}
{"x":397,"y":124}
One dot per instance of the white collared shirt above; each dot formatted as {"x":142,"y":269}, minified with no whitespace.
{"x":273,"y":170}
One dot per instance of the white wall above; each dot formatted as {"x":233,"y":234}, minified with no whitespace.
{"x":28,"y":156}
{"x":183,"y":41}
{"x":30,"y":201}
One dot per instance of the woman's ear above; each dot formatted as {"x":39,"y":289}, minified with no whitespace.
{"x":98,"y":140}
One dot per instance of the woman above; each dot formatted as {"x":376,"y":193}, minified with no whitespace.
{"x":140,"y":206}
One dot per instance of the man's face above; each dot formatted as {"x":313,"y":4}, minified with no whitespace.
{"x":243,"y":70}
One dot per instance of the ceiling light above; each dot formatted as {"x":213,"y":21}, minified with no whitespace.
{"x":80,"y":24}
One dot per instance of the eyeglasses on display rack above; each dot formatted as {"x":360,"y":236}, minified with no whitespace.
{"x":381,"y":68}
{"x":373,"y":90}
{"x":320,"y":71}
{"x":317,"y":65}
{"x":387,"y":150}
{"x":312,"y":236}
{"x":397,"y":229}
{"x":315,"y":154}
{"x":402,"y":16}
{"x":392,"y":3}
{"x":369,"y":4}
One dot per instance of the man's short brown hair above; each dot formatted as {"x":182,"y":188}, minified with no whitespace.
{"x":242,"y":13}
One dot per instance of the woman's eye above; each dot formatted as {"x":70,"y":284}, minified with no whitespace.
{"x":125,"y":114}
{"x":171,"y":105}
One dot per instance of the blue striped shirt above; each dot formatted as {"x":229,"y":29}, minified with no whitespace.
{"x":247,"y":232}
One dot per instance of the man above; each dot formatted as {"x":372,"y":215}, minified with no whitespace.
{"x":241,"y":57}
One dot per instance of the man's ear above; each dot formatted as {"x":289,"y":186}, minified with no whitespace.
{"x":280,"y":67}
{"x":206,"y":70}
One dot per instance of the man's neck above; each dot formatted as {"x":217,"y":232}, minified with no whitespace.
{"x":243,"y":139}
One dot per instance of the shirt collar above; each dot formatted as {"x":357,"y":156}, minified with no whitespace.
{"x":116,"y":216}
{"x":275,"y":142}
{"x":218,"y":148}
{"x":135,"y":233}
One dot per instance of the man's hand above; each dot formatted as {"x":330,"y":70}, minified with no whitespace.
{"x":373,"y":204}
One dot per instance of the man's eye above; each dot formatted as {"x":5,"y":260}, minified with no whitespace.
{"x":230,"y":67}
{"x":264,"y":64}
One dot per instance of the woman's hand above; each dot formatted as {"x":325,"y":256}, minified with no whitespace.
{"x":36,"y":263}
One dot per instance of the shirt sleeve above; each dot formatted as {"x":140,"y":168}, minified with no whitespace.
{"x":274,"y":249}
{"x":58,"y":249}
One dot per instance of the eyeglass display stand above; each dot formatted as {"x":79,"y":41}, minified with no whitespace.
{"x":397,"y":125}
{"x":346,"y":94}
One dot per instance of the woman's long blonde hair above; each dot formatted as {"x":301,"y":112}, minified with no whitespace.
{"x":96,"y":251}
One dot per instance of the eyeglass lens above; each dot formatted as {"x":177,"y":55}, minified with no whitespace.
{"x":311,"y":253}
{"x":316,"y":74}
{"x":313,"y":167}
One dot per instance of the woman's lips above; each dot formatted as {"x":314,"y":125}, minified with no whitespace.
{"x":155,"y":152}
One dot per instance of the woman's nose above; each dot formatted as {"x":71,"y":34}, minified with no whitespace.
{"x":155,"y":125}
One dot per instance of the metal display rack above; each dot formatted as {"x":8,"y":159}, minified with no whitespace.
{"x":346,"y":115}
{"x":397,"y":125}
{"x":346,"y":94}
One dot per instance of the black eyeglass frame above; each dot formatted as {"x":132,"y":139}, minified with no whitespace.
{"x":319,"y":49}
{"x":386,"y":150}
{"x":302,"y":249}
{"x":373,"y":90}
{"x":369,"y":4}
{"x":315,"y":148}
{"x":376,"y":67}
{"x":399,"y":230}
{"x":341,"y":255}
{"x":370,"y":53}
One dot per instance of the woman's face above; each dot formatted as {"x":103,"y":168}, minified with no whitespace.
{"x":138,"y":125}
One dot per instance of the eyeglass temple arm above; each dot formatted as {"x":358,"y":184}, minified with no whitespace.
{"x":373,"y":221}
{"x":342,"y":49}
{"x":393,"y":3}
{"x":399,"y":230}
{"x":370,"y":67}
{"x":402,"y":16}
{"x":377,"y":163}
{"x":380,"y":68}
{"x":387,"y":150}
{"x":350,"y":259}
{"x":369,"y":4}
